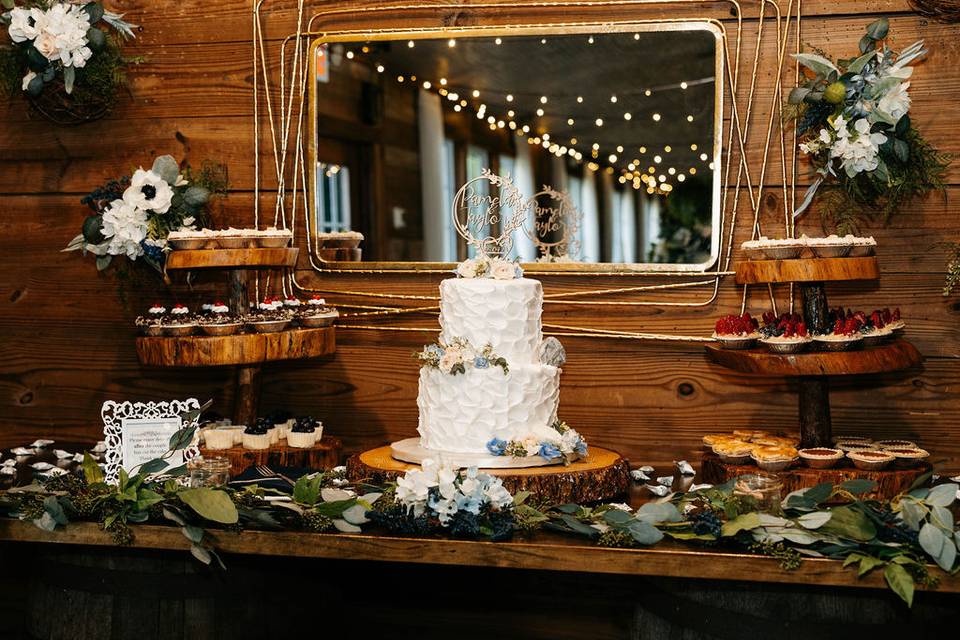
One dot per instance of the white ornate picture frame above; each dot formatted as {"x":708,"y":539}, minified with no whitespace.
{"x":116,"y":414}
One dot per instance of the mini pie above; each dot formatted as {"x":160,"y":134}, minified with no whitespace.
{"x":871,"y":455}
{"x":773,"y":453}
{"x":774,"y":441}
{"x":713,"y":438}
{"x":821,"y":453}
{"x":896,"y":444}
{"x":749,"y":434}
{"x":733,"y":448}
{"x":852,"y":440}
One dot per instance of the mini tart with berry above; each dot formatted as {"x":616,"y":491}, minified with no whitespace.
{"x":774,"y":458}
{"x":821,"y":457}
{"x":736,"y":332}
{"x":907,"y":457}
{"x":870,"y":459}
{"x":838,"y":341}
{"x":180,"y":322}
{"x":733,"y":451}
{"x":786,"y":344}
{"x":256,"y":438}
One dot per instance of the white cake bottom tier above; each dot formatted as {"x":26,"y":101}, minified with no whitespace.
{"x":461,"y":413}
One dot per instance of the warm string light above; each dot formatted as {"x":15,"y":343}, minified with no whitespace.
{"x":654,"y":184}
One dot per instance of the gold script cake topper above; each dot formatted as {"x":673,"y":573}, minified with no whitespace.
{"x":487,"y":211}
{"x":555,"y":225}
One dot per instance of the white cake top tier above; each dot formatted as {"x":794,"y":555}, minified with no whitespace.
{"x":502,"y":313}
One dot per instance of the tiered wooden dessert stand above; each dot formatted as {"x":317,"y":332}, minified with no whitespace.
{"x":245,"y":351}
{"x":814,"y":369}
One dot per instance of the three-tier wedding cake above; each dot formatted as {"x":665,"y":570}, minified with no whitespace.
{"x":490,"y":387}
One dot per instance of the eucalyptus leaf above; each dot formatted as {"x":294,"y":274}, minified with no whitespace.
{"x":654,"y":512}
{"x":931,"y":540}
{"x":96,"y":39}
{"x":192,"y":533}
{"x":167,"y":168}
{"x":617,"y":516}
{"x":212,"y":504}
{"x":820,"y":492}
{"x":196,"y":196}
{"x":52,"y":506}
{"x":174,"y":516}
{"x":744,"y":522}
{"x":798,"y":536}
{"x":579,"y":527}
{"x":900,"y":581}
{"x":334,"y":508}
{"x":948,"y":555}
{"x":857,"y":65}
{"x":817,"y":63}
{"x":644,"y":532}
{"x":35,"y":86}
{"x":867,"y":43}
{"x":912,"y":514}
{"x":814,"y":520}
{"x":942,"y":495}
{"x":356,"y":515}
{"x":335,"y":495}
{"x":797,"y":94}
{"x":942,"y":517}
{"x":345,"y":527}
{"x":878,"y":29}
{"x":567,"y":508}
{"x":200,"y":553}
{"x":103,"y":262}
{"x":138,"y":517}
{"x":850,"y":523}
{"x":69,"y":77}
{"x":859,"y":485}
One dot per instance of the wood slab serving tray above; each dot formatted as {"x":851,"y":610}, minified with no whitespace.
{"x":895,"y":355}
{"x":890,"y":481}
{"x":232,"y":258}
{"x":239,"y":349}
{"x":323,"y":455}
{"x":807,"y":270}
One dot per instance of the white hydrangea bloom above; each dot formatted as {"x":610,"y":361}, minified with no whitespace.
{"x":124,"y":227}
{"x":860,"y":152}
{"x":63,"y":35}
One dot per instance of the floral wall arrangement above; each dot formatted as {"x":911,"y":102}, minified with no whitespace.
{"x":64,"y":56}
{"x":852,"y":117}
{"x":133,"y":215}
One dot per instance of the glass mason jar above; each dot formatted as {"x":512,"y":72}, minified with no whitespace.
{"x":760,"y":488}
{"x":208,"y":472}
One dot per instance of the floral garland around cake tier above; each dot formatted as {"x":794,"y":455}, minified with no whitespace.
{"x":567,"y":447}
{"x":460,"y":355}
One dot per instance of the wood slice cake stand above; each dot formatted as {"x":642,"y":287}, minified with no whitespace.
{"x":323,"y":455}
{"x":602,"y":476}
{"x":890,"y":482}
{"x":246,"y":351}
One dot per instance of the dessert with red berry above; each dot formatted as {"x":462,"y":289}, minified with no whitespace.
{"x":316,"y":313}
{"x":219,"y":321}
{"x":270,"y":316}
{"x":736,"y":332}
{"x":180,"y":322}
{"x":152,"y":323}
{"x":786,"y":334}
{"x":846,"y":330}
{"x":877,"y":327}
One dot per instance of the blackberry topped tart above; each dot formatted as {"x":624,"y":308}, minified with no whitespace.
{"x":305,"y":433}
{"x":786,"y":334}
{"x":256,"y":437}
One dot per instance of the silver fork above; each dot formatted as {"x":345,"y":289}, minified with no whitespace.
{"x":267,"y":472}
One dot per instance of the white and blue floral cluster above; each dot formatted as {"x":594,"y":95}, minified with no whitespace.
{"x":442,"y":492}
{"x":459,"y":356}
{"x":566,"y":447}
{"x":484,"y":266}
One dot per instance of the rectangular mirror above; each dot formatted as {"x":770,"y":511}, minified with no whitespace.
{"x":624,"y":122}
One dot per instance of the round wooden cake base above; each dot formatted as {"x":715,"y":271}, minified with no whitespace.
{"x":604,"y":475}
{"x":323,"y":455}
{"x":890,"y":481}
{"x":409,"y":450}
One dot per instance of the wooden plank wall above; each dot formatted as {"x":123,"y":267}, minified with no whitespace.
{"x":67,"y":340}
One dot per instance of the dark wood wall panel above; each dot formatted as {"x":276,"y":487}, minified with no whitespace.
{"x":66,"y":340}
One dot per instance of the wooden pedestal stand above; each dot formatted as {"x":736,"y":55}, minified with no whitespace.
{"x":814,"y":369}
{"x":246,"y":351}
{"x":602,"y":476}
{"x":323,"y":455}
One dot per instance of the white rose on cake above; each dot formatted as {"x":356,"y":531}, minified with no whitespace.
{"x":450,"y":359}
{"x":468,"y":268}
{"x":503,"y":269}
{"x":149,"y":191}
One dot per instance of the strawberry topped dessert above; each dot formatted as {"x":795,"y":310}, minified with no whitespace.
{"x":786,"y":334}
{"x":736,"y":332}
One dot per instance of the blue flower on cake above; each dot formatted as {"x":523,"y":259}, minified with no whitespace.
{"x":497,"y":447}
{"x":459,"y":356}
{"x":549,"y":451}
{"x":557,"y":442}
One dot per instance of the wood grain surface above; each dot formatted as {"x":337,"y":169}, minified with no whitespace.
{"x":68,"y":341}
{"x":241,"y":348}
{"x":232,"y":258}
{"x":893,"y":356}
{"x":807,"y":270}
{"x":323,"y":455}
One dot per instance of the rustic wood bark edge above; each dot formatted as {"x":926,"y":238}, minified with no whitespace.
{"x":807,"y":270}
{"x":324,"y":455}
{"x":243,"y":348}
{"x":890,"y":482}
{"x":602,"y":476}
{"x":232,"y":259}
{"x":893,"y":356}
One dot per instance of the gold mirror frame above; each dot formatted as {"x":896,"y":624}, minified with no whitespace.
{"x":643,"y":26}
{"x":286,"y":204}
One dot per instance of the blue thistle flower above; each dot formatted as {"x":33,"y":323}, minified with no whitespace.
{"x":497,"y":446}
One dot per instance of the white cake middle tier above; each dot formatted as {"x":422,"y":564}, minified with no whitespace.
{"x":502,"y":313}
{"x":462,"y":413}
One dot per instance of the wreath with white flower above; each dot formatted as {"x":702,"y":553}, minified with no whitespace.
{"x":853,"y":123}
{"x":64,"y":55}
{"x":133,"y":215}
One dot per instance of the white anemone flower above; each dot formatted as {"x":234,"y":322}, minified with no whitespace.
{"x":26,"y":24}
{"x":148,"y":191}
{"x":124,"y":227}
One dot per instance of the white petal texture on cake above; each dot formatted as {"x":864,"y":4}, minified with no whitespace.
{"x":462,"y":413}
{"x":502,"y":313}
